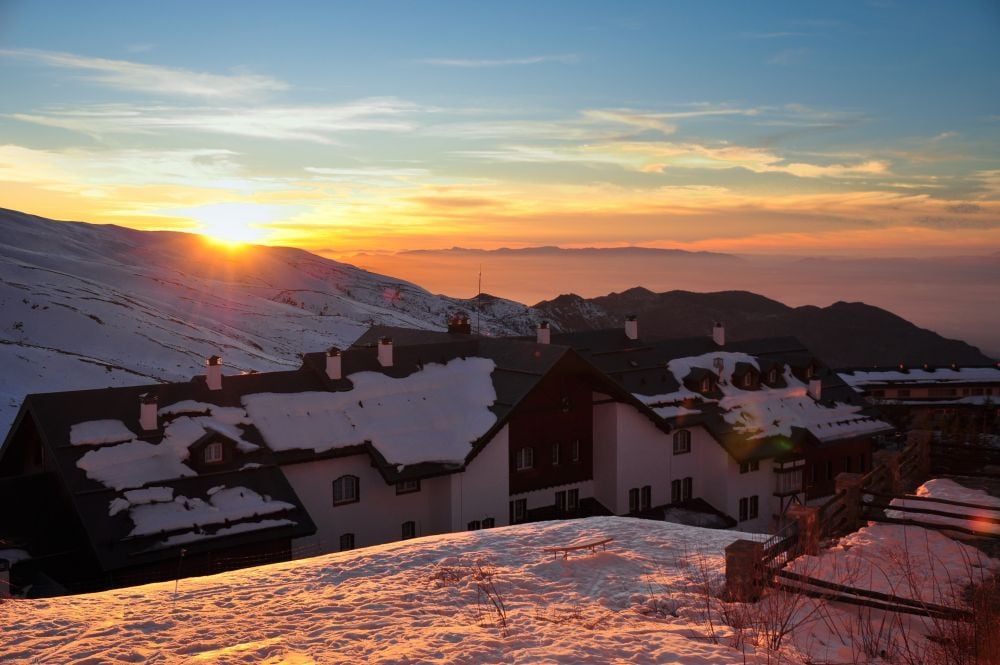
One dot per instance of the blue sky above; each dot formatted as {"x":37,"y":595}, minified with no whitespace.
{"x":386,"y":125}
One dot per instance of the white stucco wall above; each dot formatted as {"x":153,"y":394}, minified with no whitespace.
{"x":643,"y":458}
{"x":760,"y":483}
{"x":481,"y":490}
{"x":377,"y":517}
{"x":605,"y":453}
{"x":707,"y":464}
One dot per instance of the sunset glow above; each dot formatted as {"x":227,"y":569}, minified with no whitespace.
{"x":794,"y":129}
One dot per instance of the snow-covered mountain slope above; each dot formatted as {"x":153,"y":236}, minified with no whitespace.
{"x":431,"y":600}
{"x":84,"y":306}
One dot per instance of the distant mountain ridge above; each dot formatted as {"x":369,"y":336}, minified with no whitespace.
{"x":549,"y":250}
{"x":842,"y":335}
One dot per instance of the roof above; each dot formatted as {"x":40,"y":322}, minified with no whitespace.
{"x":865,"y":377}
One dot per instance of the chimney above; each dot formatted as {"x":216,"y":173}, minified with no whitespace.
{"x":333,"y":364}
{"x":631,"y":327}
{"x":816,"y":388}
{"x":385,"y":352}
{"x":148,"y":420}
{"x":213,"y":377}
{"x":459,"y":324}
{"x":719,"y":334}
{"x":543,"y":333}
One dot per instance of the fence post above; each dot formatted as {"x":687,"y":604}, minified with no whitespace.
{"x":744,"y":570}
{"x":890,"y":460}
{"x":808,"y":520}
{"x":4,"y":578}
{"x":920,"y":440}
{"x":850,"y":484}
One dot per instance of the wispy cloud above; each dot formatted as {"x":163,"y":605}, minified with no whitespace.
{"x":298,"y":123}
{"x":565,"y":59}
{"x":154,"y":79}
{"x":770,"y":35}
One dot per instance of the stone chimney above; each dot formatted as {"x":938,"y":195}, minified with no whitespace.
{"x":333,"y":370}
{"x":148,"y":419}
{"x":544,"y":333}
{"x":213,"y":377}
{"x":816,"y":388}
{"x":385,"y":352}
{"x":459,"y":324}
{"x":719,"y":334}
{"x":631,"y":327}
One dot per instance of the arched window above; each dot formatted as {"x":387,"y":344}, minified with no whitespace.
{"x":346,"y":490}
{"x":682,"y":442}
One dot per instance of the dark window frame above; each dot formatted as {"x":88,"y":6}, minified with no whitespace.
{"x":355,"y":486}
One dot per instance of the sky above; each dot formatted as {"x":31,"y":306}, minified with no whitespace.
{"x":345,"y":127}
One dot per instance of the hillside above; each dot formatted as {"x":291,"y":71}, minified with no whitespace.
{"x":430,"y":600}
{"x":843,"y":334}
{"x":85,"y":306}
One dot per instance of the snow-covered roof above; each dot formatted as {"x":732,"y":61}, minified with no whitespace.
{"x":97,"y":432}
{"x":432,"y":415}
{"x":764,"y":411}
{"x":940,"y":375}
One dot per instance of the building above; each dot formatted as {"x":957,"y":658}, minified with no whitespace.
{"x":932,"y":397}
{"x":409,"y":433}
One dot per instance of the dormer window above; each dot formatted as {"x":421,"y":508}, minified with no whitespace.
{"x":748,"y":380}
{"x":213,"y":453}
{"x":706,"y":384}
{"x":772,"y":376}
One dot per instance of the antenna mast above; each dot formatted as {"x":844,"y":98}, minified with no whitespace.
{"x":479,"y":294}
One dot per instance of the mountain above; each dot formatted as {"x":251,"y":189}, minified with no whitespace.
{"x":551,"y":251}
{"x":84,"y":306}
{"x":843,"y":334}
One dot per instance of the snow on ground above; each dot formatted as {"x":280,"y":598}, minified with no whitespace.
{"x":433,"y":415}
{"x":978,"y":519}
{"x":413,"y":601}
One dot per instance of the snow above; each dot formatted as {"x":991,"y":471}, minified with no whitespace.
{"x":942,"y":375}
{"x":226,"y":505}
{"x":84,"y":306}
{"x":137,"y":463}
{"x":96,"y":432}
{"x":242,"y":527}
{"x":433,"y":415}
{"x":412,"y":601}
{"x":14,"y":555}
{"x":766,"y":411}
{"x":943,"y":488}
{"x":419,"y":601}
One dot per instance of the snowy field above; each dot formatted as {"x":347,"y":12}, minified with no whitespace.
{"x":429,"y":601}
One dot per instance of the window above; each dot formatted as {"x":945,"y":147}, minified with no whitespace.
{"x":814,"y":474}
{"x":706,"y":384}
{"x":829,"y":469}
{"x":687,"y":488}
{"x":489,"y":523}
{"x":345,"y":490}
{"x":409,"y":530}
{"x":646,"y":498}
{"x":748,"y":380}
{"x":346,"y":542}
{"x":518,"y":509}
{"x":213,"y":453}
{"x":525,"y":458}
{"x":555,"y":454}
{"x":633,"y":499}
{"x":407,"y":486}
{"x":772,"y":376}
{"x":561,"y":501}
{"x":474,"y":525}
{"x":675,"y":491}
{"x":753,"y":507}
{"x":572,"y":499}
{"x":903,"y":392}
{"x":682,"y":442}
{"x":744,"y":509}
{"x":747,"y":467}
{"x":575,"y":451}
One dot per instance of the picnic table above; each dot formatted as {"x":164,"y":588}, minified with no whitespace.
{"x":566,"y":549}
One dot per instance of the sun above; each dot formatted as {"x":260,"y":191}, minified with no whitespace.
{"x":231,"y":224}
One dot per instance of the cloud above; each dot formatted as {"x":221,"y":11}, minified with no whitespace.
{"x":964,"y":208}
{"x":298,"y":123}
{"x":770,"y":35}
{"x":154,"y":79}
{"x":789,"y":56}
{"x":565,"y":59}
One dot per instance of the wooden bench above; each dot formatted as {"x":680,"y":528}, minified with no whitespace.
{"x":592,"y":546}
